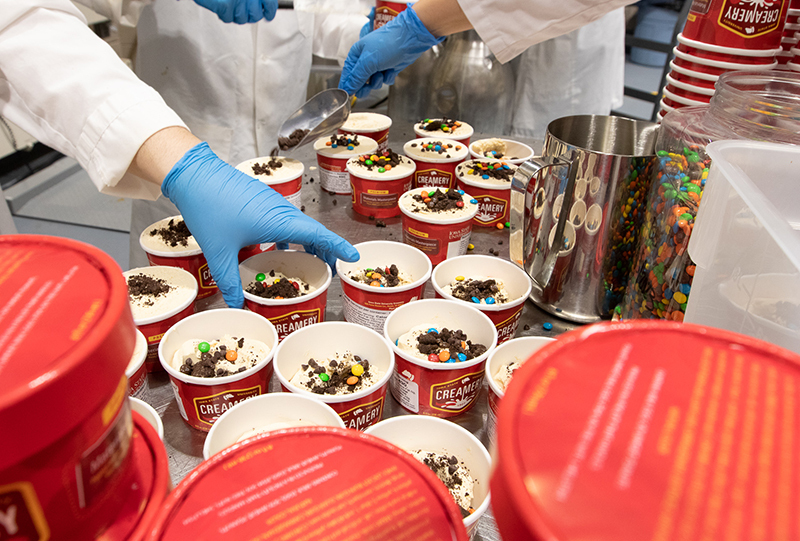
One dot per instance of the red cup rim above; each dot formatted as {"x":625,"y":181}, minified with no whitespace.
{"x":721,"y":65}
{"x":792,"y":66}
{"x":333,"y":399}
{"x":692,"y":73}
{"x":665,"y":107}
{"x":388,"y":290}
{"x":385,"y":177}
{"x":726,"y":50}
{"x":681,"y":99}
{"x":689,"y":87}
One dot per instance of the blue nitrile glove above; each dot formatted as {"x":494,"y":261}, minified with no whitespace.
{"x":227,"y":210}
{"x":241,"y":11}
{"x":379,"y":56}
{"x":367,"y":28}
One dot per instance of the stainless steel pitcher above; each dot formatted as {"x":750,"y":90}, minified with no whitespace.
{"x":576,"y":212}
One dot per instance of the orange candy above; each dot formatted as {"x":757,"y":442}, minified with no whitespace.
{"x":444,"y":355}
{"x":231,"y":355}
{"x":387,"y":166}
{"x":375,"y":283}
{"x":328,"y":143}
{"x":500,"y":226}
{"x":352,"y":380}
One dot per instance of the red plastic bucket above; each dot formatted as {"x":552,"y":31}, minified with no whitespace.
{"x":682,"y":430}
{"x":298,"y":484}
{"x":735,"y":24}
{"x":67,"y":336}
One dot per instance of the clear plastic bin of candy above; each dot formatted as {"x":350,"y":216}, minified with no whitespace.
{"x":761,"y":105}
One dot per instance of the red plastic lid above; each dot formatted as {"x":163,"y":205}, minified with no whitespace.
{"x":67,"y":335}
{"x":653,"y":431}
{"x":311,"y":484}
{"x":148,"y":485}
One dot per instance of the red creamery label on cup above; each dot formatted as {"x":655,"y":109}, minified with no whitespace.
{"x":655,"y":432}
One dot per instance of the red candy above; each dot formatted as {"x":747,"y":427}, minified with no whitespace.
{"x":433,"y":357}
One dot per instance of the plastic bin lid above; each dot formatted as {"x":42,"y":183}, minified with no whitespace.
{"x":67,"y":335}
{"x":653,"y":430}
{"x":311,"y":484}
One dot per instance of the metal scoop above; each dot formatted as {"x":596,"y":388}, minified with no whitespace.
{"x":321,"y":115}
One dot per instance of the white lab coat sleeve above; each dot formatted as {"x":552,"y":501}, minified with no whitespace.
{"x":510,"y":26}
{"x":335,"y":34}
{"x":122,"y":12}
{"x":67,"y":87}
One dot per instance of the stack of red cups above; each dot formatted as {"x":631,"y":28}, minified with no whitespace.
{"x":722,"y":36}
{"x":791,"y":36}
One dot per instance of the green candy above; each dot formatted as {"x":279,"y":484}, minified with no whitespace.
{"x":670,"y":194}
{"x":381,"y":170}
{"x":203,"y":347}
{"x":260,"y":277}
{"x":693,"y":188}
{"x":368,"y":162}
{"x":687,"y":178}
{"x":324,"y":377}
{"x":662,"y":153}
{"x":431,"y":194}
{"x":692,"y":157}
{"x":686,"y":216}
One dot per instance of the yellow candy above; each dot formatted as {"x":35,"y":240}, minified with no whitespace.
{"x":679,"y":297}
{"x":459,"y":278}
{"x":276,"y":280}
{"x":470,"y":247}
{"x":357,"y":370}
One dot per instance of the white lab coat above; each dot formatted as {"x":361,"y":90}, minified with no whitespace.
{"x":67,"y":88}
{"x":579,"y":73}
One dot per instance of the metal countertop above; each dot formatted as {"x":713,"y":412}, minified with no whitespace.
{"x":185,"y":445}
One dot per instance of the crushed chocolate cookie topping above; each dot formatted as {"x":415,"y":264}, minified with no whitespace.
{"x":336,"y":375}
{"x":346,"y":140}
{"x":440,"y":201}
{"x":282,"y":289}
{"x":212,"y":363}
{"x":293,"y":140}
{"x":470,"y":289}
{"x":141,"y":285}
{"x":380,"y":161}
{"x":439,"y":147}
{"x":267,"y":168}
{"x":487,"y":170}
{"x":378,"y":277}
{"x":175,"y":233}
{"x":446,"y":469}
{"x":453,"y":341}
{"x":437,"y":124}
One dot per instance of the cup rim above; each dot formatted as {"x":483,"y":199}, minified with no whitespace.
{"x":159,"y":253}
{"x":325,"y":151}
{"x":450,"y":221}
{"x":175,"y":311}
{"x":270,"y":181}
{"x":722,"y":49}
{"x":484,"y":185}
{"x":135,"y":365}
{"x":793,"y":11}
{"x":387,"y":123}
{"x":334,"y":399}
{"x":721,"y":65}
{"x":681,"y":99}
{"x":792,"y":26}
{"x":692,"y":73}
{"x":519,"y":160}
{"x":268,"y":397}
{"x":793,"y":66}
{"x":441,"y":366}
{"x":288,"y":302}
{"x":159,"y":426}
{"x":481,"y":509}
{"x":689,"y":87}
{"x":387,"y":178}
{"x":435,"y":160}
{"x":666,"y":108}
{"x":207,"y":382}
{"x":490,"y":365}
{"x":426,"y":134}
{"x":387,"y":290}
{"x":485,"y":307}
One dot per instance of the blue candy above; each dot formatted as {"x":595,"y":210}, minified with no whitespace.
{"x":484,"y":177}
{"x":334,"y":145}
{"x":547,"y":326}
{"x":460,"y":192}
{"x":476,"y":300}
{"x":462,"y":357}
{"x":473,"y":201}
{"x":433,"y":330}
{"x":450,"y":361}
{"x":490,"y":300}
{"x":349,"y":147}
{"x":437,"y":148}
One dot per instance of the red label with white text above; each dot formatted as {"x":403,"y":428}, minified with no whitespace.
{"x":738,"y":24}
{"x":492,"y":205}
{"x":437,"y":178}
{"x":287,"y":318}
{"x":209,"y":408}
{"x":195,"y":265}
{"x":386,"y":11}
{"x":21,"y":516}
{"x":363,"y":415}
{"x":437,"y":241}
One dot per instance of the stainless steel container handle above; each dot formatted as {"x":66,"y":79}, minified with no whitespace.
{"x":522,"y":200}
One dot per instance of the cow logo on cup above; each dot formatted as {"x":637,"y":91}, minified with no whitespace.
{"x":363,"y":415}
{"x":206,"y":280}
{"x":456,"y":395}
{"x":490,"y":209}
{"x":750,"y":18}
{"x":434,"y":178}
{"x":209,"y":408}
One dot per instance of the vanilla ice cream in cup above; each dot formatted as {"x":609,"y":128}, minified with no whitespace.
{"x":169,"y":243}
{"x":373,"y":125}
{"x":378,"y":180}
{"x":435,"y":442}
{"x":388,"y":275}
{"x":436,"y":160}
{"x":489,"y":182}
{"x":507,"y":150}
{"x":496,"y":287}
{"x":159,"y":297}
{"x":332,"y":155}
{"x":500,"y":367}
{"x":344,"y":365}
{"x":445,"y":128}
{"x":267,"y":413}
{"x":284,"y":175}
{"x":136,"y":372}
{"x":287,"y":287}
{"x":458,"y":336}
{"x":216,"y":359}
{"x":149,"y":413}
{"x":438,"y":221}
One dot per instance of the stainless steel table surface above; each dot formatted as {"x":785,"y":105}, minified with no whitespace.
{"x":185,"y":445}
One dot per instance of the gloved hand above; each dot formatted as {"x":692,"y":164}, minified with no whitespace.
{"x":241,"y":11}
{"x":379,"y":56}
{"x":227,"y":210}
{"x":367,"y":28}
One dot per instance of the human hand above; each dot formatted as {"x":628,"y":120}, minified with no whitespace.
{"x":241,"y":11}
{"x":367,"y":28}
{"x":227,"y":210}
{"x":379,"y":56}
